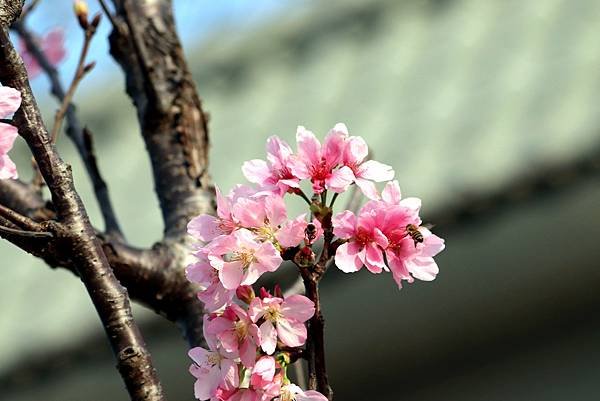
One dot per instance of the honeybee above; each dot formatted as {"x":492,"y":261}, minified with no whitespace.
{"x":310,"y":232}
{"x":414,"y":233}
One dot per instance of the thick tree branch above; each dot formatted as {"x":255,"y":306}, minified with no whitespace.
{"x":75,"y":232}
{"x":144,"y":42}
{"x":75,"y":131}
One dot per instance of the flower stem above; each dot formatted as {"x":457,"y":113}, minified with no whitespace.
{"x":315,"y":346}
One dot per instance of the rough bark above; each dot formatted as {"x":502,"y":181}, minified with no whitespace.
{"x":174,"y":127}
{"x":76,"y":236}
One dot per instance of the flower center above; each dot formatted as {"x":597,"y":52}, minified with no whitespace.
{"x":241,"y":329}
{"x":244,"y":255}
{"x":273,"y":314}
{"x":362,"y":237}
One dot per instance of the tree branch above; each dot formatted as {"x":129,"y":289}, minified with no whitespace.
{"x":74,"y":231}
{"x":144,"y":42}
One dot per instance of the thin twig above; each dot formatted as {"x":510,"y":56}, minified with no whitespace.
{"x":80,"y":72}
{"x":24,"y":233}
{"x":108,"y":13}
{"x":19,"y":220}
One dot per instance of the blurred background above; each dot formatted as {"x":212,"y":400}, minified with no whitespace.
{"x":488,"y":111}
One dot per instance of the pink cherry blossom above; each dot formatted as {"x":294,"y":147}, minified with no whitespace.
{"x":274,"y":174}
{"x":292,"y":392}
{"x":241,"y":259}
{"x":318,"y":163}
{"x":366,"y":240}
{"x":266,"y":217}
{"x":365,"y":172}
{"x":283,"y":319}
{"x":51,"y":44}
{"x":408,"y":259}
{"x":263,"y":372}
{"x":10,"y":101}
{"x":214,"y":295}
{"x":237,"y":334}
{"x":207,"y":227}
{"x":212,"y":371}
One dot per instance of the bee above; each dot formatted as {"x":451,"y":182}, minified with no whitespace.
{"x":310,"y":232}
{"x":414,"y":233}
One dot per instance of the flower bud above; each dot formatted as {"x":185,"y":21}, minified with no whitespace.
{"x":264,"y":293}
{"x":245,"y":293}
{"x":277,"y":291}
{"x":305,"y":257}
{"x":81,"y":10}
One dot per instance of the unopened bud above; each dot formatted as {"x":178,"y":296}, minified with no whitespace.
{"x":264,"y":293}
{"x":89,"y":67}
{"x":277,"y":291}
{"x":81,"y":10}
{"x":305,"y":257}
{"x":245,"y":293}
{"x":96,"y":20}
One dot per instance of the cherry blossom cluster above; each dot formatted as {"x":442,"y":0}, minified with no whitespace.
{"x":252,"y":338}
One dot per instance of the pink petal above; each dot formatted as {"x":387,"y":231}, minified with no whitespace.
{"x":344,"y":224}
{"x":231,"y":275}
{"x":204,"y":227}
{"x":249,"y":212}
{"x":368,"y":188}
{"x":347,"y":257}
{"x":356,"y":151}
{"x":298,"y":307}
{"x":375,"y":171}
{"x":256,"y":310}
{"x":391,"y":193}
{"x":309,"y":147}
{"x":10,"y":101}
{"x":340,"y":179}
{"x":291,"y":332}
{"x":223,"y":209}
{"x":275,"y":210}
{"x":423,"y":268}
{"x":292,"y":232}
{"x":268,"y":337}
{"x":256,"y":171}
{"x":230,"y":378}
{"x":411,"y":203}
{"x":8,"y":169}
{"x":333,"y":147}
{"x":374,"y":258}
{"x":200,"y":272}
{"x":248,"y":353}
{"x":268,"y":257}
{"x":263,"y":372}
{"x":199,"y":355}
{"x":277,"y":150}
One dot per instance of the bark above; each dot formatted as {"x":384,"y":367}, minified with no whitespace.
{"x":76,"y":236}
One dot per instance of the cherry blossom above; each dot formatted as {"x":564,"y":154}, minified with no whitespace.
{"x":317,"y":163}
{"x":10,"y":101}
{"x":241,"y":259}
{"x":212,"y":371}
{"x":274,"y":174}
{"x":51,"y":44}
{"x":236,"y":332}
{"x":283,"y":319}
{"x":365,"y":172}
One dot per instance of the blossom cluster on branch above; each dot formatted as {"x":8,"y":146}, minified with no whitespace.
{"x":253,"y":339}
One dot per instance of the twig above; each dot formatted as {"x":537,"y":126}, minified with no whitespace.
{"x":80,"y":72}
{"x":19,"y":220}
{"x":76,"y":233}
{"x":75,"y":132}
{"x":315,"y":344}
{"x":108,"y":13}
{"x":23,"y":233}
